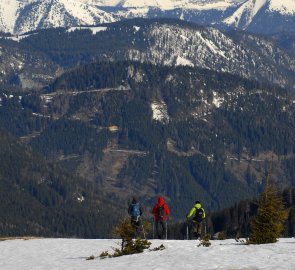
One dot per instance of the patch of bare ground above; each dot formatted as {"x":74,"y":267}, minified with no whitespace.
{"x":28,"y":138}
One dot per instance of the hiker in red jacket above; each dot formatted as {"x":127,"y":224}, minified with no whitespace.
{"x":160,"y":212}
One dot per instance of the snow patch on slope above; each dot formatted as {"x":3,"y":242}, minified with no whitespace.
{"x":94,"y":29}
{"x":8,"y":14}
{"x":18,"y":38}
{"x":181,"y":61}
{"x":160,"y":111}
{"x":210,"y":45}
{"x":217,"y":101}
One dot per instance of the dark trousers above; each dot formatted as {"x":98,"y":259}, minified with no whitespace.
{"x":161,"y":228}
{"x":197,"y":228}
{"x":135,"y":222}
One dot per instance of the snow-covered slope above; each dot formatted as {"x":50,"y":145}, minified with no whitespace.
{"x":283,"y":7}
{"x":55,"y":13}
{"x":46,"y":254}
{"x":247,"y":12}
{"x":26,"y":15}
{"x":8,"y":14}
{"x":169,"y":44}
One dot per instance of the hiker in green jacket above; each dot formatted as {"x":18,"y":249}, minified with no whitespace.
{"x":198,"y":214}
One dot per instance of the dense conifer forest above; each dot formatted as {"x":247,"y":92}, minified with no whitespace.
{"x":215,"y":137}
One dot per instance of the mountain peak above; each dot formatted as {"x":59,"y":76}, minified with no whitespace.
{"x":248,"y":10}
{"x":245,"y":13}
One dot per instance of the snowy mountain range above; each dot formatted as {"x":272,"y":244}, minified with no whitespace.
{"x":260,"y":16}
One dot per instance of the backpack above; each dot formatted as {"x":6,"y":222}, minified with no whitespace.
{"x":161,"y":212}
{"x":135,"y":211}
{"x":198,"y":215}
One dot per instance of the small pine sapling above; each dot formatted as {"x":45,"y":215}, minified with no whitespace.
{"x":268,"y":225}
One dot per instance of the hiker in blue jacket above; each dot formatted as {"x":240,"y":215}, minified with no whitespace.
{"x":135,"y":212}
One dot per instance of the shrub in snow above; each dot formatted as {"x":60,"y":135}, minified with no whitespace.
{"x":205,"y":242}
{"x":90,"y":258}
{"x":161,"y":247}
{"x":237,"y":238}
{"x":268,"y":225}
{"x":105,"y":254}
{"x":134,"y":246}
{"x":129,"y":245}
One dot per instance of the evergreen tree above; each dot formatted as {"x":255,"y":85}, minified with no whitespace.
{"x":268,"y":225}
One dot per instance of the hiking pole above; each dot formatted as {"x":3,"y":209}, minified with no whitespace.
{"x":143,"y":231}
{"x":166,"y":229}
{"x":186,"y":230}
{"x":153,"y":228}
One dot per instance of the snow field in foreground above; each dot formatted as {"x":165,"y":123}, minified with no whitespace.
{"x":71,"y":254}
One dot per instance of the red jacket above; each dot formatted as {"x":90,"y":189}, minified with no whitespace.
{"x":159,"y":204}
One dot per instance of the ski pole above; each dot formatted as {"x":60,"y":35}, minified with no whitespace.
{"x":166,"y":229}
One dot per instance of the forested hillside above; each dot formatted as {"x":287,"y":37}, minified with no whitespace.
{"x":42,"y":199}
{"x":93,"y":115}
{"x":181,"y":132}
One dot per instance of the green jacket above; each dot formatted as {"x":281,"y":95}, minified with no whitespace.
{"x":192,"y":212}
